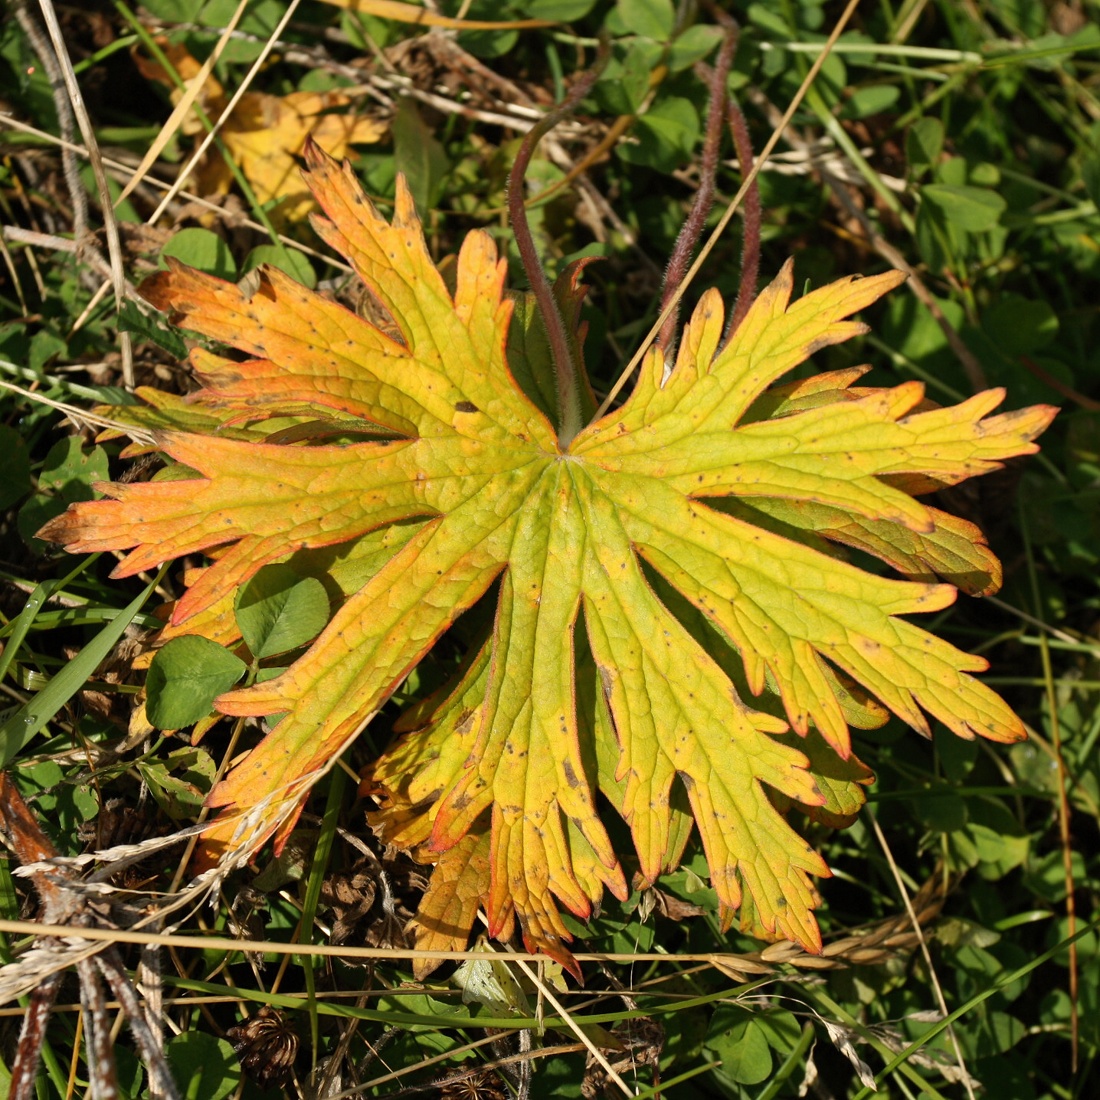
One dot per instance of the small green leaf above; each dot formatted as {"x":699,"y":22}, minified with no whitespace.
{"x":983,"y":174}
{"x":417,"y":153}
{"x":953,"y":171}
{"x":279,"y":610}
{"x":202,"y":249}
{"x":924,"y":144}
{"x":66,"y":476}
{"x":71,"y":471}
{"x":185,"y":678}
{"x":15,"y":467}
{"x":974,"y":209}
{"x":998,"y":853}
{"x":872,"y":100}
{"x":203,"y":1065}
{"x":625,"y":83}
{"x":488,"y":44}
{"x":561,"y":11}
{"x":931,"y":236}
{"x":290,"y":260}
{"x":769,"y":21}
{"x":693,"y":45}
{"x":649,"y":18}
{"x":666,"y":135}
{"x":44,"y":346}
{"x":1020,"y":326}
{"x":998,"y":1033}
{"x":742,"y":1047}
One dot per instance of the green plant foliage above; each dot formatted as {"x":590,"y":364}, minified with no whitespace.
{"x":741,"y":1046}
{"x":180,"y":781}
{"x":132,"y":319}
{"x":15,"y":467}
{"x":278,"y":611}
{"x":296,"y":265}
{"x":202,"y":249}
{"x":68,"y":474}
{"x":418,"y":155}
{"x":664,"y":134}
{"x":185,"y":678}
{"x":972,"y":209}
{"x":650,"y":18}
{"x":203,"y":1065}
{"x":924,"y":144}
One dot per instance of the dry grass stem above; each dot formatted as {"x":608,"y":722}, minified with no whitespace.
{"x":110,"y":224}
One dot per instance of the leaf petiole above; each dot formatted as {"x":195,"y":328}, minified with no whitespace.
{"x":704,"y":197}
{"x":565,"y":369}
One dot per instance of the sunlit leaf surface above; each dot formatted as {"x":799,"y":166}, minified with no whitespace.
{"x":677,"y":626}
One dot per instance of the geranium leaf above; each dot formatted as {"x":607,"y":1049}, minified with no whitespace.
{"x":676,"y":625}
{"x":449,"y":908}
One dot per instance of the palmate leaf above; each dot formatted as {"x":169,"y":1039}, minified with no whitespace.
{"x":672,"y":596}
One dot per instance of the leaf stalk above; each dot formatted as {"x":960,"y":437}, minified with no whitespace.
{"x":692,"y":228}
{"x":565,"y":368}
{"x":751,"y":216}
{"x":734,"y":203}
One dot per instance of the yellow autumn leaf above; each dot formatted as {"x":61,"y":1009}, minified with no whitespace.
{"x":265,"y":134}
{"x":677,"y":637}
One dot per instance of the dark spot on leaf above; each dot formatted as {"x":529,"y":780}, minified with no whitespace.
{"x":466,"y":407}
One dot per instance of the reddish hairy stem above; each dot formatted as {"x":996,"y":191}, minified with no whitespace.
{"x":692,"y":228}
{"x":565,"y":370}
{"x":750,"y":244}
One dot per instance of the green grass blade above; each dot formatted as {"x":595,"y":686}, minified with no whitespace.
{"x":37,"y":711}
